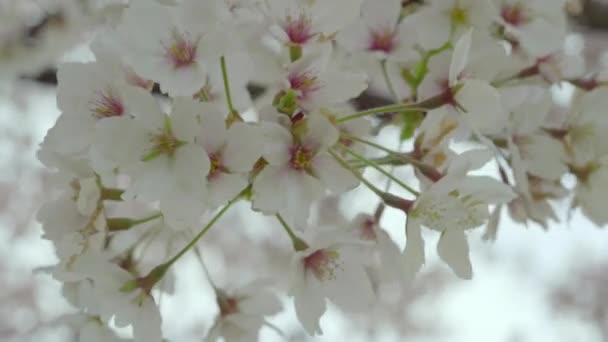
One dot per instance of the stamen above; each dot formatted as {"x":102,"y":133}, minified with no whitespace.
{"x":323,"y":264}
{"x":301,"y":158}
{"x":181,"y":51}
{"x":107,"y":104}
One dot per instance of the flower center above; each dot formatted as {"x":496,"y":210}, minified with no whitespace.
{"x":382,"y":40}
{"x":163,"y":143}
{"x":514,"y":14}
{"x":228,"y":306}
{"x":107,"y":104}
{"x":206,"y":93}
{"x":301,"y":158}
{"x":460,"y":16}
{"x":216,"y":166}
{"x":323,"y":264}
{"x":181,"y":52}
{"x":368,"y":231}
{"x":299,"y":29}
{"x":304,"y":82}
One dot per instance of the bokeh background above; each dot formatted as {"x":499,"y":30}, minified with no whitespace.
{"x":529,"y":285}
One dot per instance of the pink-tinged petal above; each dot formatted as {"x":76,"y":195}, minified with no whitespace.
{"x":453,"y":249}
{"x":335,"y":177}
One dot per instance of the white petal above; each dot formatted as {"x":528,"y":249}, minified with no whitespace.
{"x":483,"y":105}
{"x":310,"y":306}
{"x":144,"y":108}
{"x":335,"y":177}
{"x":183,"y":118}
{"x":213,"y":131}
{"x":351,"y":289}
{"x":146,"y":327}
{"x":320,"y":133}
{"x":413,"y":255}
{"x":244,"y":147}
{"x":453,"y":249}
{"x":460,"y":57}
{"x":223,"y":187}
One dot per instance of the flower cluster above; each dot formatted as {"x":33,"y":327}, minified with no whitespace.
{"x":163,"y":117}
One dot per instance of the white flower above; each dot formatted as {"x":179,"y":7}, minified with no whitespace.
{"x":75,"y":221}
{"x":538,"y":25}
{"x":385,"y":256}
{"x":380,"y":32}
{"x":452,"y":205}
{"x":134,"y":307}
{"x":299,"y":23}
{"x":299,"y":165}
{"x":476,"y":98}
{"x":318,"y":79}
{"x":232,"y":154}
{"x":242,"y":312}
{"x":173,"y":45}
{"x":87,"y":93}
{"x":443,"y":21}
{"x":327,"y":269}
{"x":157,"y":150}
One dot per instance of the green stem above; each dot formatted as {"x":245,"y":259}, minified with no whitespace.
{"x":388,"y":82}
{"x":210,"y":224}
{"x":422,"y":106}
{"x":298,"y":244}
{"x":379,"y":110}
{"x":398,"y":158}
{"x":111,"y":194}
{"x":233,"y":112}
{"x":377,"y":167}
{"x":122,"y":223}
{"x":387,"y":198}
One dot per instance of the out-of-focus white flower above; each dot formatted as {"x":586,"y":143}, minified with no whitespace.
{"x":175,"y":45}
{"x":127,"y":307}
{"x":242,"y":312}
{"x":300,"y":23}
{"x":443,"y":21}
{"x":327,"y":269}
{"x":538,"y":25}
{"x":380,"y":32}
